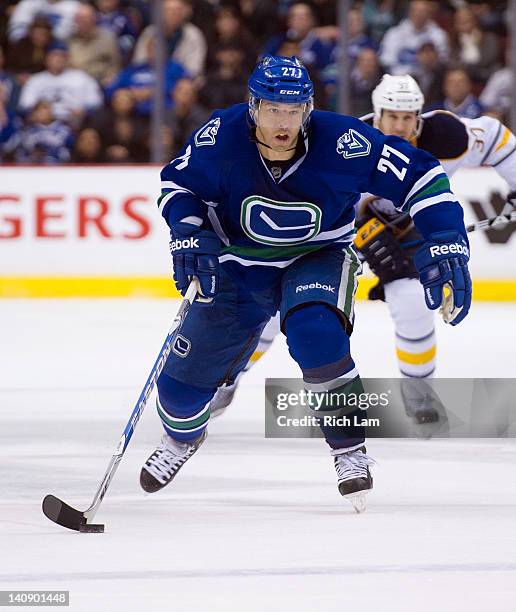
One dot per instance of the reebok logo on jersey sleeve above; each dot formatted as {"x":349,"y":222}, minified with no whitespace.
{"x":316,"y":285}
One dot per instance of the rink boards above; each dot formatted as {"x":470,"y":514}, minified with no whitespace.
{"x":95,"y":231}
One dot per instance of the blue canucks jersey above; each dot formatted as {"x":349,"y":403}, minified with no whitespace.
{"x":268,"y":223}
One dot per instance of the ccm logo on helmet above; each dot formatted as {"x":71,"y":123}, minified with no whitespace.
{"x":189,"y":243}
{"x":446,"y":249}
{"x":290,"y":92}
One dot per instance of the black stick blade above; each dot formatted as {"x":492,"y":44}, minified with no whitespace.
{"x":62,"y":514}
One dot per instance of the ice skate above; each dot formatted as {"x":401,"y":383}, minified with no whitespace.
{"x":353,"y":476}
{"x":166,"y":461}
{"x":419,"y":401}
{"x":222,"y":399}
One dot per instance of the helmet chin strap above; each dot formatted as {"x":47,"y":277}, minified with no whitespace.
{"x":254,"y":138}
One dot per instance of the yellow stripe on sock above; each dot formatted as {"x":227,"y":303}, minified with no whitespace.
{"x":417,"y":358}
{"x":256,"y":355}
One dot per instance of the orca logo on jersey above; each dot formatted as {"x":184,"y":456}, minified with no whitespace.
{"x":279,"y":223}
{"x":353,"y":144}
{"x":205,"y":137}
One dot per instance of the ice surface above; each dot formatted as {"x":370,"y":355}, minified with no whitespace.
{"x":250,"y":524}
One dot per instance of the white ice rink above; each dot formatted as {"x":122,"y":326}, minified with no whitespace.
{"x":250,"y":524}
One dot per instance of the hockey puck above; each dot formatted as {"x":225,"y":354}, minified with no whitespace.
{"x":91,"y":528}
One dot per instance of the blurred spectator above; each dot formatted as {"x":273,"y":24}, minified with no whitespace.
{"x":458,"y":96}
{"x":260,"y":17}
{"x":478,"y":51}
{"x":314,"y":52}
{"x":27,"y":55}
{"x":60,"y":13}
{"x":187,"y":115}
{"x":365,"y":76}
{"x":229,"y":28}
{"x":401,"y":42}
{"x":185,"y":42}
{"x":227,"y":83}
{"x":8,"y":88}
{"x":71,"y":92}
{"x":93,"y":49}
{"x":140,"y":80}
{"x":325,"y":12}
{"x":203,"y":15}
{"x":6,"y":9}
{"x":490,"y":15}
{"x":114,"y":20}
{"x":358,"y":39}
{"x":497,"y":94}
{"x":44,"y":139}
{"x":88,"y":148}
{"x":124,"y":133}
{"x":139,"y":13}
{"x":379,"y":16}
{"x":430,"y":74}
{"x":8,"y":130}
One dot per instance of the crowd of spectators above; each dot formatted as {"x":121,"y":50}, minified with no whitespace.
{"x":77,"y":77}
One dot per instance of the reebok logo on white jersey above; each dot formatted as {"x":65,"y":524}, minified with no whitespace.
{"x":329,"y":288}
{"x":447,"y":249}
{"x":188,"y":243}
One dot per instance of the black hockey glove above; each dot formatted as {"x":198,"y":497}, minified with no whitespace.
{"x":195,"y":252}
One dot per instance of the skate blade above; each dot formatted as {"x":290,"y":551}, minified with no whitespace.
{"x":357,"y":500}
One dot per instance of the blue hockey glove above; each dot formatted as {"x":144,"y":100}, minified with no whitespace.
{"x":195,"y":252}
{"x":442,"y":264}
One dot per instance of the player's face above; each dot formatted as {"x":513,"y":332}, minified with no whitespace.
{"x":398,"y":123}
{"x":278,"y":125}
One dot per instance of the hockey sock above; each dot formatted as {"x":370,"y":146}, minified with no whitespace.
{"x":318,"y":342}
{"x":182,"y":408}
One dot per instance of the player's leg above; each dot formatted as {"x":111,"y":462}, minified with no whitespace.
{"x":415,"y":346}
{"x":317,"y":314}
{"x":414,"y":327}
{"x":387,"y":240}
{"x":224,"y":395}
{"x":214,"y":344}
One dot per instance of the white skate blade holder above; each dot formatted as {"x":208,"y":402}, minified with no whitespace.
{"x":357,"y":500}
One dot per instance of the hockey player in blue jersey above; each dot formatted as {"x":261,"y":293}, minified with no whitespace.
{"x":260,"y":206}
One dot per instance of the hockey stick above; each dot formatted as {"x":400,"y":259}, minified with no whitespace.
{"x":66,"y":516}
{"x":486,"y":224}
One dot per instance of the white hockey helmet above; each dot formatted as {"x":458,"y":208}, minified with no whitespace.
{"x":397,"y":93}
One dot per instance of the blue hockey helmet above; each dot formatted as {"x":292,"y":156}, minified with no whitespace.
{"x":281,"y":79}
